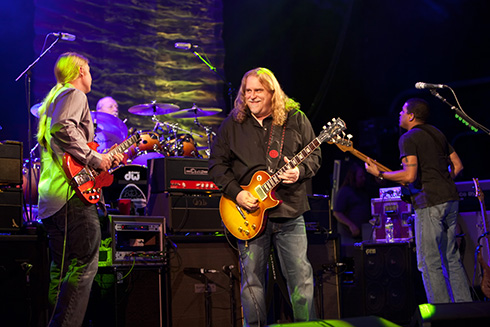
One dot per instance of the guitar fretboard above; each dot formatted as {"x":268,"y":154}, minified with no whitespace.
{"x":327,"y":133}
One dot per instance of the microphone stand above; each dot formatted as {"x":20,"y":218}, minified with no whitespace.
{"x":231,"y":90}
{"x":229,"y":273}
{"x":27,"y":72}
{"x":464,"y":118}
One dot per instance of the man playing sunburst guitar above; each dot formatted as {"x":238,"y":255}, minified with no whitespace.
{"x":65,"y":126}
{"x":426,"y":157}
{"x":263,"y":131}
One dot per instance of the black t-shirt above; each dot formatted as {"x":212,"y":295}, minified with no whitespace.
{"x":432,"y":150}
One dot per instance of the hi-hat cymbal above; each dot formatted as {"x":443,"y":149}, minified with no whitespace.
{"x":150,"y":109}
{"x":196,"y":112}
{"x":35,"y":109}
{"x":109,"y":130}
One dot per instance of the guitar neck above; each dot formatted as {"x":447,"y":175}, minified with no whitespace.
{"x":363,"y":157}
{"x":124,"y":145}
{"x":297,"y":159}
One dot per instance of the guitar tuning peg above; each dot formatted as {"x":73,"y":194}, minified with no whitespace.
{"x":349,"y":136}
{"x":329,"y":123}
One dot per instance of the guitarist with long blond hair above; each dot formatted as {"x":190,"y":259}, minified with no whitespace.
{"x":65,"y":126}
{"x":263,"y":131}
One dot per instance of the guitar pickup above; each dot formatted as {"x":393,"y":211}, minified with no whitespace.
{"x":240,"y":211}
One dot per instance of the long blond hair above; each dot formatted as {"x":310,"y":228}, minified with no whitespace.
{"x":281,"y":103}
{"x":66,"y":70}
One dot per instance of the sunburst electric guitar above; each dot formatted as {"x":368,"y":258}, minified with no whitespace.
{"x":246,"y":225}
{"x":87,"y":182}
{"x":485,"y":283}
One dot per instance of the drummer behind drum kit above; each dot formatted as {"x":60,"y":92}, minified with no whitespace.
{"x":164,"y":140}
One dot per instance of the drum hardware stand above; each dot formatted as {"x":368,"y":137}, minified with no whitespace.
{"x":209,"y":132}
{"x":27,"y":72}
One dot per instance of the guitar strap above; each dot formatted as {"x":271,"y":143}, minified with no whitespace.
{"x":275,"y":146}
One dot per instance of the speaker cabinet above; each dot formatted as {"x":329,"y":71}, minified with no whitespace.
{"x":323,"y":253}
{"x":11,"y":162}
{"x":190,"y":304}
{"x":187,"y":212}
{"x":386,"y":283}
{"x":23,"y":280}
{"x":129,"y":296}
{"x":453,"y":314}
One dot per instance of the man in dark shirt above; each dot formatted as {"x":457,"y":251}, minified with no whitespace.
{"x":263,"y":131}
{"x":429,"y":166}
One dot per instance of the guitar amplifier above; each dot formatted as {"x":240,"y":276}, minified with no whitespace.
{"x":187,"y":212}
{"x":174,"y":174}
{"x":467,"y":195}
{"x":11,"y":163}
{"x":400,"y":213}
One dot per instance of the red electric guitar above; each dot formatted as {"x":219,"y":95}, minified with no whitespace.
{"x":87,"y":181}
{"x":246,"y":225}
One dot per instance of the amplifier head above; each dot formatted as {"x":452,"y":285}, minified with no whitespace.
{"x":179,"y":174}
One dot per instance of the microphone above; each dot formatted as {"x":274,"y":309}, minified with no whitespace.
{"x":65,"y":36}
{"x":228,"y":269}
{"x":185,"y":45}
{"x":199,"y":271}
{"x":422,"y":85}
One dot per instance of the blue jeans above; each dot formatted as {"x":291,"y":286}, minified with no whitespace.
{"x":81,"y":260}
{"x":437,"y":254}
{"x":289,"y":239}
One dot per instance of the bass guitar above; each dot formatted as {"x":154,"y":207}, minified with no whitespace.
{"x":485,"y":283}
{"x":246,"y":225}
{"x":87,"y":182}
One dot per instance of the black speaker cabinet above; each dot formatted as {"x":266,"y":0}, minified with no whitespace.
{"x":23,"y":280}
{"x":386,"y":284}
{"x":453,"y":314}
{"x":190,"y":304}
{"x":323,"y":253}
{"x":10,"y":163}
{"x":129,"y":296}
{"x":10,"y":209}
{"x":187,"y":212}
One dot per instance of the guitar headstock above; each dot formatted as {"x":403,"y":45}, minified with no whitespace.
{"x":342,"y":143}
{"x":332,"y":130}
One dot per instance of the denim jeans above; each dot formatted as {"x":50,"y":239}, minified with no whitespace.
{"x":437,"y":254}
{"x":288,"y":236}
{"x":81,"y":260}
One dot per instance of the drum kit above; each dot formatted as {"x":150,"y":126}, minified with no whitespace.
{"x":163,"y":140}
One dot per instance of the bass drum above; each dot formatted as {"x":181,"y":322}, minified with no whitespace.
{"x":31,"y":194}
{"x":142,"y":157}
{"x":124,"y":175}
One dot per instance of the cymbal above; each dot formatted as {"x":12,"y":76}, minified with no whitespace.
{"x":35,"y":109}
{"x":150,"y":109}
{"x":109,"y":130}
{"x":196,"y":112}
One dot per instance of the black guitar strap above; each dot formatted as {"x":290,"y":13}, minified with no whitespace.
{"x":274,"y":148}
